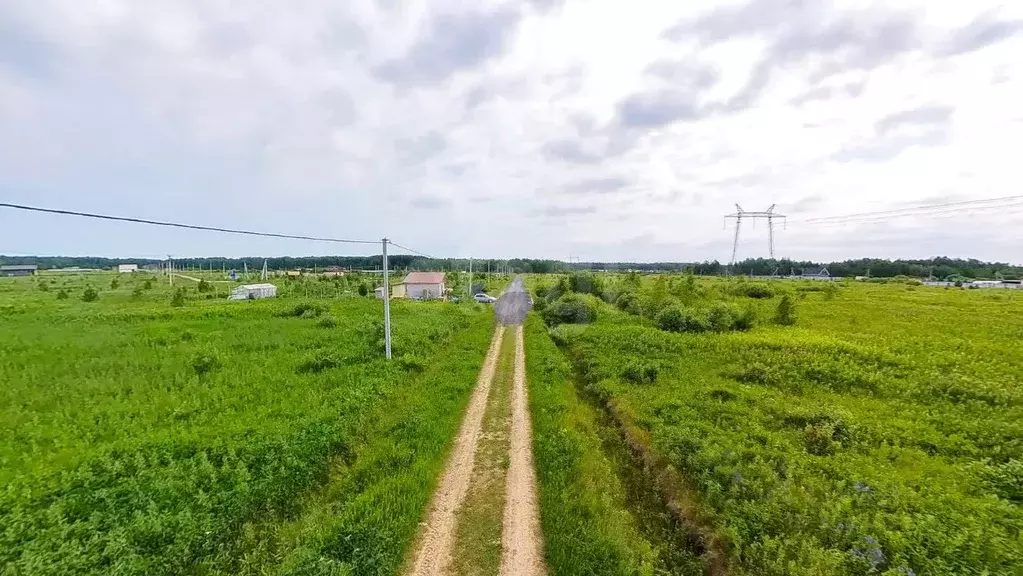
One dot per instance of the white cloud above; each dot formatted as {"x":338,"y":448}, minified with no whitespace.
{"x":604,"y":129}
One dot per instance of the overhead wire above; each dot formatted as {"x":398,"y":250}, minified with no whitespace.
{"x":180,"y":225}
{"x":983,"y":204}
{"x":406,"y":248}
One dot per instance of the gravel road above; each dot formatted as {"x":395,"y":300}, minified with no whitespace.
{"x":513,"y":305}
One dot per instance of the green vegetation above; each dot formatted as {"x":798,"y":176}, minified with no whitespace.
{"x":883,"y":434}
{"x":221,"y":437}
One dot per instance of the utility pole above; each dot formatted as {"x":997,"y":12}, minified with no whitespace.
{"x":768,"y":215}
{"x":264,"y":271}
{"x":387,"y":307}
{"x":470,"y":294}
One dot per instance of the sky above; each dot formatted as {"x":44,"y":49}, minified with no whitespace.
{"x":594,"y":129}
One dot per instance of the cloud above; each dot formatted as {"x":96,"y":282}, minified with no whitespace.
{"x":983,"y":31}
{"x":563,"y":211}
{"x":453,"y":42}
{"x":924,"y":116}
{"x":824,"y":92}
{"x":569,"y":151}
{"x":598,"y":186}
{"x":429,"y":202}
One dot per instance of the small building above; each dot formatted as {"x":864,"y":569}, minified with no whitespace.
{"x":19,"y":270}
{"x":253,"y":292}
{"x":127,"y":268}
{"x":424,"y":285}
{"x":379,"y":292}
{"x":816,"y":273}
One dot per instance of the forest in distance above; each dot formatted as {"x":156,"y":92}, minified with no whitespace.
{"x":937,"y":267}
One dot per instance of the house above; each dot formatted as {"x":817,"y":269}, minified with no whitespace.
{"x":19,"y":270}
{"x":424,"y":285}
{"x":816,"y":273}
{"x":253,"y":292}
{"x":127,"y":268}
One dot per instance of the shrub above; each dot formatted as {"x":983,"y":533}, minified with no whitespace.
{"x":115,"y":283}
{"x":327,"y":321}
{"x":204,"y":363}
{"x":137,"y":292}
{"x":90,"y":295}
{"x":319,"y":363}
{"x":819,"y":439}
{"x":205,"y":286}
{"x":831,"y":290}
{"x":640,"y":373}
{"x":570,"y":309}
{"x":758,"y":291}
{"x":363,"y":289}
{"x":745,"y":320}
{"x":785,"y":314}
{"x":585,"y":283}
{"x":679,"y":319}
{"x":62,"y":294}
{"x":178,"y":300}
{"x":44,"y":287}
{"x":628,"y":302}
{"x":303,"y":310}
{"x":721,"y":317}
{"x":411,"y":362}
{"x":148,"y":284}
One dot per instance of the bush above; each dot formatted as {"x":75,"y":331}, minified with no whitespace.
{"x":721,"y":317}
{"x":628,"y":302}
{"x":90,"y":295}
{"x":137,"y":292}
{"x":831,"y":290}
{"x":819,"y":439}
{"x":363,"y":289}
{"x":205,"y":286}
{"x":178,"y":300}
{"x":319,"y":363}
{"x":570,"y":309}
{"x":303,"y":310}
{"x":758,"y":291}
{"x":62,"y":294}
{"x":148,"y":284}
{"x":679,"y":319}
{"x":327,"y":321}
{"x":204,"y":363}
{"x":745,"y":320}
{"x":785,"y":315}
{"x":639,"y":373}
{"x":44,"y":287}
{"x":115,"y":283}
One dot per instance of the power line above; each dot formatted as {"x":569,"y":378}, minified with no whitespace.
{"x":407,"y":249}
{"x":987,"y":203}
{"x":179,"y":225}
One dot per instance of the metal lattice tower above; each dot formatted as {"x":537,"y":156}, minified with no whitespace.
{"x":768,"y":215}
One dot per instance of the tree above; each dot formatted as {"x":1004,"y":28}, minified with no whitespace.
{"x":363,"y":289}
{"x":785,"y":314}
{"x":115,"y":283}
{"x":90,"y":295}
{"x":179,"y":298}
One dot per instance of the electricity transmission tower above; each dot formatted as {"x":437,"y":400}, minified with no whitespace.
{"x":768,"y":215}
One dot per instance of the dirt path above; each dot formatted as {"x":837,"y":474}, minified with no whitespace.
{"x":433,"y":554}
{"x":521,"y":542}
{"x":484,"y":518}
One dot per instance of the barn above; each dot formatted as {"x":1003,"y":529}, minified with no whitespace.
{"x":253,"y":292}
{"x":127,"y":268}
{"x":19,"y":270}
{"x":424,"y":285}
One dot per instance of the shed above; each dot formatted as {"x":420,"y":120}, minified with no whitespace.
{"x":127,"y":268}
{"x":253,"y":292}
{"x":424,"y":285}
{"x":19,"y":270}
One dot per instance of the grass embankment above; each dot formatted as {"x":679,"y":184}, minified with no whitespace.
{"x":881,"y":435}
{"x":140,"y":438}
{"x":599,"y":513}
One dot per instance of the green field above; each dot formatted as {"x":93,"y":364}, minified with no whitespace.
{"x":880,"y":434}
{"x":137,"y":437}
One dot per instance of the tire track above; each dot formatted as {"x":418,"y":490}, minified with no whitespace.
{"x":521,"y":540}
{"x":433,"y":555}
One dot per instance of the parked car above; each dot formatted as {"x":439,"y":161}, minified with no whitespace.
{"x":484,"y":298}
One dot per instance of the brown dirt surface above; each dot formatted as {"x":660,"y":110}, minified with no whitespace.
{"x":522,"y":541}
{"x":433,"y":553}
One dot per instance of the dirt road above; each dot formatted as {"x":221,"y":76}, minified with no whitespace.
{"x":459,"y":537}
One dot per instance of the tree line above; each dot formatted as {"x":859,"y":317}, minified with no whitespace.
{"x":940,"y":267}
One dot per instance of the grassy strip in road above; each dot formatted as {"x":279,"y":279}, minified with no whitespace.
{"x":477,"y":548}
{"x":367,"y":515}
{"x":587,"y":526}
